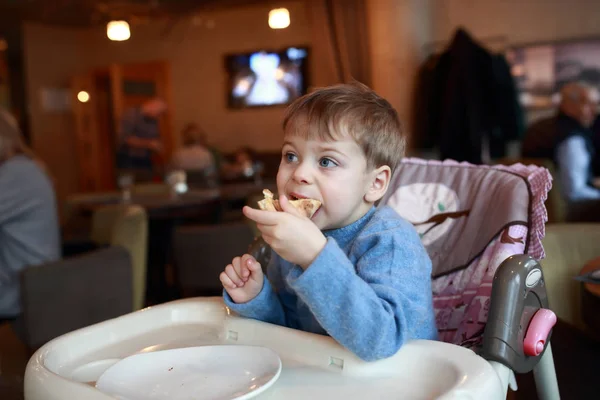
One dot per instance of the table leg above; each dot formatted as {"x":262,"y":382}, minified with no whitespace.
{"x":160,"y":233}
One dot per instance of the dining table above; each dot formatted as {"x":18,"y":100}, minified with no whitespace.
{"x":166,"y":210}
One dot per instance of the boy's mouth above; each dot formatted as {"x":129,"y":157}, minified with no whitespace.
{"x":316,"y":212}
{"x":296,"y":196}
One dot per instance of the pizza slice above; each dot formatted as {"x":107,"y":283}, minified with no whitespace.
{"x":307,"y":207}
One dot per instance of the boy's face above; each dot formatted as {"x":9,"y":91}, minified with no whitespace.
{"x":333,"y":172}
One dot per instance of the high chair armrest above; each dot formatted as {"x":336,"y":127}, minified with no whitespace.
{"x":519,"y":323}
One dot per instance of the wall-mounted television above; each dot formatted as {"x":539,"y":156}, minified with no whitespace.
{"x":266,"y":77}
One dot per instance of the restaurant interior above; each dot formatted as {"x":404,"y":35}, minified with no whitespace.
{"x":205,"y":85}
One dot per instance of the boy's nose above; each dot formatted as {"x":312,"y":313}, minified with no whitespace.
{"x":302,"y":174}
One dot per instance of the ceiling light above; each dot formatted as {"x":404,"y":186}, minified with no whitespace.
{"x":83,"y":96}
{"x":279,"y":18}
{"x":118,"y":31}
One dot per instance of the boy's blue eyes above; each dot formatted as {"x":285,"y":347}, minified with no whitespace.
{"x":326,"y":163}
{"x":323,"y":162}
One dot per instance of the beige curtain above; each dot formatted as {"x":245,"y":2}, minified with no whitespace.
{"x":340,"y":42}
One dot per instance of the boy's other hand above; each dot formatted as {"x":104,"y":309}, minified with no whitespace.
{"x":290,"y":234}
{"x":242,"y":279}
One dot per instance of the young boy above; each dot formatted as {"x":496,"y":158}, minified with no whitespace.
{"x":355,"y":272}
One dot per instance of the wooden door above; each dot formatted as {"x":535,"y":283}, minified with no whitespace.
{"x":132,"y":84}
{"x":88,"y":159}
{"x":111,"y":92}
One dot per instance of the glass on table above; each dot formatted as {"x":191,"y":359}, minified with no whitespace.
{"x":177,"y":181}
{"x":125,"y":182}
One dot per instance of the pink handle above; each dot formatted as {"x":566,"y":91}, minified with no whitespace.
{"x":537,"y":333}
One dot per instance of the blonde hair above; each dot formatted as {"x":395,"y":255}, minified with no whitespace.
{"x":350,"y":110}
{"x":12,"y":142}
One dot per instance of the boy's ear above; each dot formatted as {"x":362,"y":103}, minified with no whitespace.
{"x":379,"y":183}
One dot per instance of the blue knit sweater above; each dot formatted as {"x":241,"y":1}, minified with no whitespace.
{"x":369,"y":288}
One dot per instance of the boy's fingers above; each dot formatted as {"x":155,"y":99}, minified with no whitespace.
{"x":226,"y":282}
{"x":233,"y":275}
{"x":255,"y":266}
{"x":237,"y":266}
{"x":244,"y":270}
{"x":247,"y":265}
{"x":267,"y":238}
{"x":262,"y":217}
{"x":265,"y":230}
{"x":284,"y":202}
{"x":252,"y":265}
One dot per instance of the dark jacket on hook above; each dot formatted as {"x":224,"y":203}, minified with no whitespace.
{"x":465,"y":97}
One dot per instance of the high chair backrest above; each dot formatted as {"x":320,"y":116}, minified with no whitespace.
{"x":470,"y":219}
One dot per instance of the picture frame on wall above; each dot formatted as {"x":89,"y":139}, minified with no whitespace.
{"x":541,"y":69}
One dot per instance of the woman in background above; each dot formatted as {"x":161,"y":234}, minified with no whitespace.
{"x":195,"y":154}
{"x":29,"y":229}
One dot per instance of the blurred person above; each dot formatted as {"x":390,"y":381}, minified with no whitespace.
{"x":567,"y":139}
{"x":29,"y":227}
{"x":242,"y":166}
{"x":575,"y":151}
{"x":139,"y":136}
{"x":195,"y":154}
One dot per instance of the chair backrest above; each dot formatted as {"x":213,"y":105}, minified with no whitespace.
{"x":125,"y":226}
{"x":470,"y":219}
{"x":555,"y":204}
{"x":72,"y":202}
{"x":201,"y":253}
{"x":72,"y":293}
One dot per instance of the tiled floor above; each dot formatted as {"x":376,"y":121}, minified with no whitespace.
{"x":577,"y":359}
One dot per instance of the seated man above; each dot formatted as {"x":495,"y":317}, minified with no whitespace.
{"x":567,"y":138}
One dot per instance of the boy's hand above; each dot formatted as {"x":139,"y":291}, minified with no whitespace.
{"x":290,"y":234}
{"x":242,"y":279}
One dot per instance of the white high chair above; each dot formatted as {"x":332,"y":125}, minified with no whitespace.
{"x":488,"y":276}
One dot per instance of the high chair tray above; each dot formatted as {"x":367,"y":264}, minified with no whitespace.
{"x":314,"y":366}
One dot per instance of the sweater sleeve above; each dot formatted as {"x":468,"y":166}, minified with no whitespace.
{"x":376,"y":305}
{"x":266,"y":306}
{"x":574,"y":167}
{"x":16,"y":197}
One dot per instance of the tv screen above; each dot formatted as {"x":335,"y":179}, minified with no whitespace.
{"x":267,"y":78}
